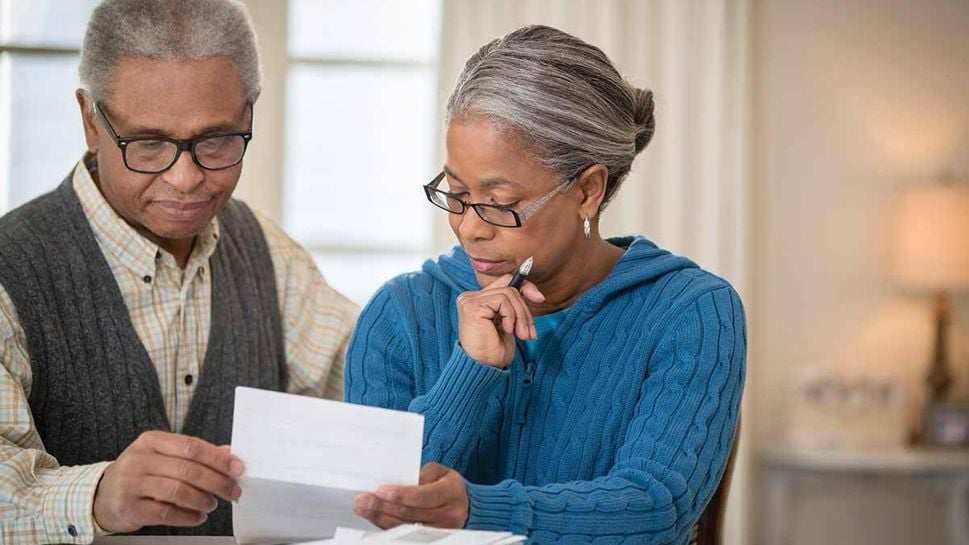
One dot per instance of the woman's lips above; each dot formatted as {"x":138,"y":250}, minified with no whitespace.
{"x":485,"y":266}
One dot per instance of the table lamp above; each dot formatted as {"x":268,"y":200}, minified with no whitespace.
{"x":932,"y":256}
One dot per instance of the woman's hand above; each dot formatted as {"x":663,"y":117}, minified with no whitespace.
{"x":440,"y":500}
{"x":489,"y":320}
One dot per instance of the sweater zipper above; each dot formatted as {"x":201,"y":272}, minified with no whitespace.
{"x":524,"y":398}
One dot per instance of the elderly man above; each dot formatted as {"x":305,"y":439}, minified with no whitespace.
{"x":136,"y":296}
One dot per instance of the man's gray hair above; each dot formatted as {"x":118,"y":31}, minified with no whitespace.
{"x":172,"y":30}
{"x":562,"y":97}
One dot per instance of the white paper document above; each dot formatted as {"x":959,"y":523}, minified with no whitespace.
{"x":420,"y":535}
{"x":307,"y":458}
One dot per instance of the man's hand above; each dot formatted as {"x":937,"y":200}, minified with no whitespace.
{"x":440,"y":500}
{"x":165,"y":479}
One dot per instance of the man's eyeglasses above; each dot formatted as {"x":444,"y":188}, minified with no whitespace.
{"x":497,"y":215}
{"x":154,"y":154}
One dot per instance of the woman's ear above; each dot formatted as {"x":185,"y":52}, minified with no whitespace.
{"x":592,"y":189}
{"x":87,"y":119}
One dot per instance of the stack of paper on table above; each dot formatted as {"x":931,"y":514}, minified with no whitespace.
{"x":307,"y":458}
{"x":419,"y":535}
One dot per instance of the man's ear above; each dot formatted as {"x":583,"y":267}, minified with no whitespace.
{"x":87,"y":119}
{"x":592,"y":190}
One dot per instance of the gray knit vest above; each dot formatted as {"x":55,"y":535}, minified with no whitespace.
{"x":94,"y":389}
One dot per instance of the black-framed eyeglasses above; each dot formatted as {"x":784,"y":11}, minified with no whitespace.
{"x":497,"y":215}
{"x":154,"y":154}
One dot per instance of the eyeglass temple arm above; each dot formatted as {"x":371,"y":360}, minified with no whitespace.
{"x":436,"y":181}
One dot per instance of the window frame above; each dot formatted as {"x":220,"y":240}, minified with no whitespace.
{"x":7,"y":51}
{"x":323,"y":61}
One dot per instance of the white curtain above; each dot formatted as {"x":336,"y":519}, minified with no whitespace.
{"x":689,"y":191}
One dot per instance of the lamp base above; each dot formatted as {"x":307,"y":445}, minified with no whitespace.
{"x":938,"y":379}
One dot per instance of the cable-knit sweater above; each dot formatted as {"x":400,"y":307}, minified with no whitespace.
{"x":620,"y":430}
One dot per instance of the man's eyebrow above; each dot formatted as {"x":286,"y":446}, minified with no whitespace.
{"x":136,"y":131}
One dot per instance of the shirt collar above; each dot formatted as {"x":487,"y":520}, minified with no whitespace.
{"x":115,"y":235}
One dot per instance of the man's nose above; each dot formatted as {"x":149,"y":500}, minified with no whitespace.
{"x":185,"y":175}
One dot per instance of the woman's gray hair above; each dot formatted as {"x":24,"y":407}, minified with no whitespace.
{"x":562,"y":97}
{"x":168,"y":30}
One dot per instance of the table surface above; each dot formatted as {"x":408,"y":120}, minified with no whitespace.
{"x":164,"y":540}
{"x":167,"y":540}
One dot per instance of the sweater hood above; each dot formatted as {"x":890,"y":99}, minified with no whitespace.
{"x":642,"y":263}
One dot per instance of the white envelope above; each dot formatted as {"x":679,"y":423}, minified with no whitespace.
{"x":307,"y":458}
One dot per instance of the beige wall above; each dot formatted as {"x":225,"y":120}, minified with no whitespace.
{"x":850,"y":100}
{"x":261,"y":185}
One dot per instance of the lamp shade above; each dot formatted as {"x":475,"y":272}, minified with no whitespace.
{"x":932,"y":238}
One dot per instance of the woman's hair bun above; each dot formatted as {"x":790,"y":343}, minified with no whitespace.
{"x":643,"y":117}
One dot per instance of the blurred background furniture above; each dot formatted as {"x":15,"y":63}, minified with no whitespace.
{"x":932,"y":256}
{"x":900,"y":471}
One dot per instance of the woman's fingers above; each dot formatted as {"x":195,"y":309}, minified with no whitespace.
{"x":490,"y":319}
{"x":370,"y":507}
{"x":528,"y":293}
{"x":524,"y":324}
{"x":531,"y":292}
{"x":440,"y":500}
{"x":506,"y":307}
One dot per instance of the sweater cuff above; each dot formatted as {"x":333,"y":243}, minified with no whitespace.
{"x":501,"y":507}
{"x":463,"y":386}
{"x":68,"y":510}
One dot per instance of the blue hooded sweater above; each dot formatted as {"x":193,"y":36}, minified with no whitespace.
{"x":620,"y":430}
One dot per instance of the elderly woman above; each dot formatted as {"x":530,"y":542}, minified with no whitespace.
{"x":598,"y":402}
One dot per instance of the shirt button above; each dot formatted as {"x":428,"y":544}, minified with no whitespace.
{"x":72,"y":530}
{"x":188,"y":380}
{"x":147,"y":279}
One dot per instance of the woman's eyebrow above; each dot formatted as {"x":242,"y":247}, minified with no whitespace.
{"x":451,"y":175}
{"x":487,"y":183}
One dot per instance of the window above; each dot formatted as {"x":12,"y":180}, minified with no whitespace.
{"x":359,"y":130}
{"x":40,"y":127}
{"x":359,"y":136}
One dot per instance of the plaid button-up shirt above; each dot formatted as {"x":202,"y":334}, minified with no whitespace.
{"x":41,"y":501}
